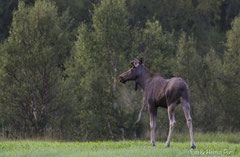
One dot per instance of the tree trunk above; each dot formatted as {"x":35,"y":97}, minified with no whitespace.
{"x":122,"y":130}
{"x":109,"y":128}
{"x":135,"y":135}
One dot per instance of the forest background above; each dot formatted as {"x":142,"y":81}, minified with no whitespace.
{"x":60,"y":61}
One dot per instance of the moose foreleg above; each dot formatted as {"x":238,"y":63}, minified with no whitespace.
{"x":140,"y":112}
{"x":153,"y":120}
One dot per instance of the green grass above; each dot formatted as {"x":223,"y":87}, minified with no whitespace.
{"x":209,"y":144}
{"x":114,"y":149}
{"x":207,"y":137}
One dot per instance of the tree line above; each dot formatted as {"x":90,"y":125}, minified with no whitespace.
{"x":60,"y":62}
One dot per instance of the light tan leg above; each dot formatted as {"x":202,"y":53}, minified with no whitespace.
{"x":153,"y":120}
{"x":186,"y":110}
{"x":171,"y":123}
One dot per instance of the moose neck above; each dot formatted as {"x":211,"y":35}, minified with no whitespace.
{"x":142,"y":79}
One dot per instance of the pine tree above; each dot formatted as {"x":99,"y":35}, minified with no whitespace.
{"x":31,"y":75}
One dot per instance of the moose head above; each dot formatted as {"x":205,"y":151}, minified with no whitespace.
{"x":134,"y":73}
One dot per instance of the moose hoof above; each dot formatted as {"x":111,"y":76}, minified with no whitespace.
{"x":153,"y":144}
{"x":193,"y":146}
{"x":167,"y":144}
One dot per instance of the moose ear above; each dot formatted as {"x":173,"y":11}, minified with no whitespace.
{"x":135,"y":63}
{"x":132,"y":63}
{"x":141,"y":60}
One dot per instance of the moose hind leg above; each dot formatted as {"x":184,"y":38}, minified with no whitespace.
{"x":186,"y":110}
{"x":153,"y":119}
{"x":172,"y":121}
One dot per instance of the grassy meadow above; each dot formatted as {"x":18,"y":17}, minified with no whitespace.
{"x":214,"y":145}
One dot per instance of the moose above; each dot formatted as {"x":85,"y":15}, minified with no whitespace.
{"x":160,"y":92}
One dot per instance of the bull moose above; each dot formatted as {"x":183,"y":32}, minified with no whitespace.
{"x":160,"y":92}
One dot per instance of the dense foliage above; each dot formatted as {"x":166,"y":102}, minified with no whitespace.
{"x":60,"y":62}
